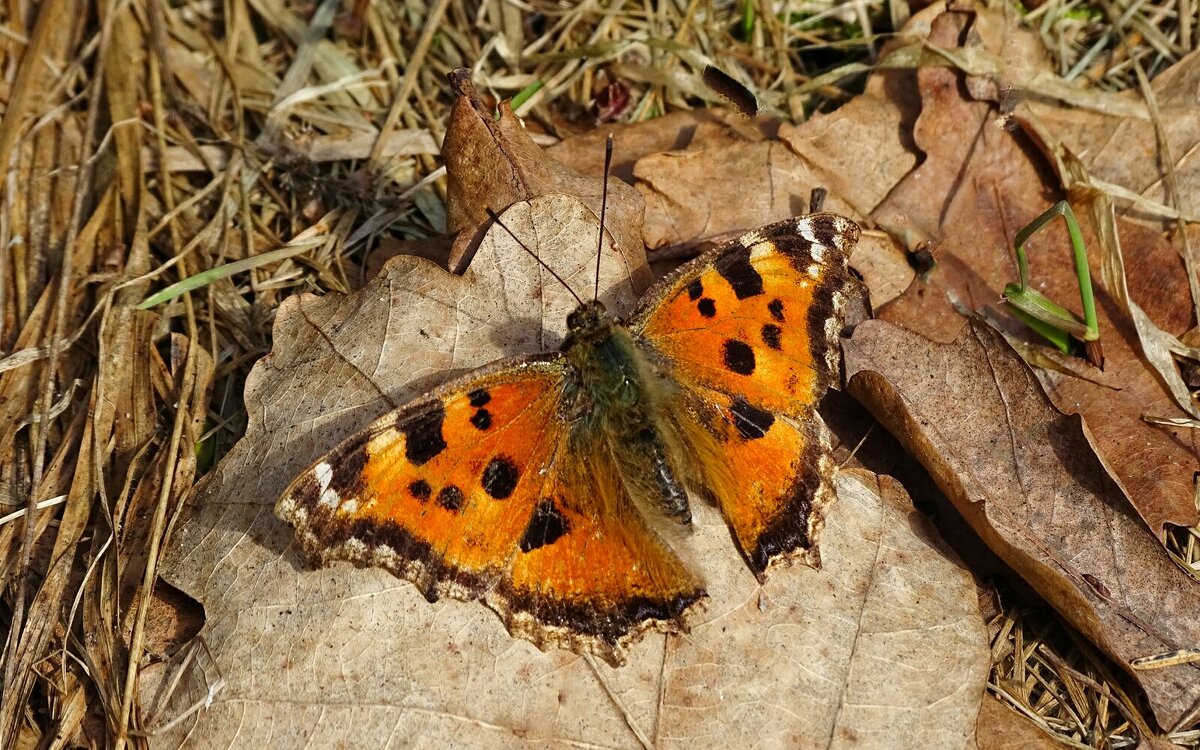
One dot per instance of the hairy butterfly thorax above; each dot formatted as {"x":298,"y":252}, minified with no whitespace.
{"x":619,"y":399}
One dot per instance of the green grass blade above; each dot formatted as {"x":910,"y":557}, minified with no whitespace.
{"x":204,"y":278}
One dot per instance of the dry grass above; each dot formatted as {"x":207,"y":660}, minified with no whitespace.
{"x":257,"y":149}
{"x":1050,"y":674}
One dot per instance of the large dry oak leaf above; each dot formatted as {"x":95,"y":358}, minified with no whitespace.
{"x":885,"y":639}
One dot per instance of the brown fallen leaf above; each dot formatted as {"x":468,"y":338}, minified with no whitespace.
{"x":727,"y":181}
{"x":366,"y":656}
{"x":1024,"y":476}
{"x":970,"y":196}
{"x":722,"y":184}
{"x":696,"y":194}
{"x":673,"y":131}
{"x":491,"y":163}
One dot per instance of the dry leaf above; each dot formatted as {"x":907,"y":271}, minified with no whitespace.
{"x":695,"y":192}
{"x":970,"y":196}
{"x":491,"y":163}
{"x":1024,"y":476}
{"x":891,"y":622}
{"x":673,"y":131}
{"x":700,"y":193}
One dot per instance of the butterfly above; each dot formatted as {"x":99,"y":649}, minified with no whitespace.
{"x":533,"y":484}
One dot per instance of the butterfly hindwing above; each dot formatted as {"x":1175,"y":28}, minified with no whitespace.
{"x":476,"y":491}
{"x":770,"y":474}
{"x":748,"y":335}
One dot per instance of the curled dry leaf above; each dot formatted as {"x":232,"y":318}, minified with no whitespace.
{"x":970,"y":196}
{"x":355,"y":655}
{"x":491,"y":163}
{"x":1024,"y":476}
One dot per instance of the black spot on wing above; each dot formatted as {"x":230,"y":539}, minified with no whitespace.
{"x":751,"y":422}
{"x":347,"y":479}
{"x":738,"y":357}
{"x":479,"y":397}
{"x":500,"y":477}
{"x":707,"y":307}
{"x":423,"y":433}
{"x":482,"y":419}
{"x":695,"y":289}
{"x":776,"y":309}
{"x":420,"y":490}
{"x":740,"y":273}
{"x":451,"y":498}
{"x":772,"y":336}
{"x":545,"y":527}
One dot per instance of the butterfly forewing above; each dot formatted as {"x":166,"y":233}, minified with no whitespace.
{"x":759,"y":317}
{"x":440,"y":490}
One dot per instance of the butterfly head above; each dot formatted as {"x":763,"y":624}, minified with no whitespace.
{"x":588,"y":321}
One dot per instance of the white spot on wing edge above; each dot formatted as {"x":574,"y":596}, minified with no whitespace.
{"x":817,"y":250}
{"x":833,"y":325}
{"x":324,"y":474}
{"x":761,"y":248}
{"x":751,"y":238}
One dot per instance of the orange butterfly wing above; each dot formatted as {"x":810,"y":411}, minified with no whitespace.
{"x":474,"y":491}
{"x":749,"y":333}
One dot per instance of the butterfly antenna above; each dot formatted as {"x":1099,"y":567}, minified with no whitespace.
{"x":496,"y":218}
{"x":608,"y":146}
